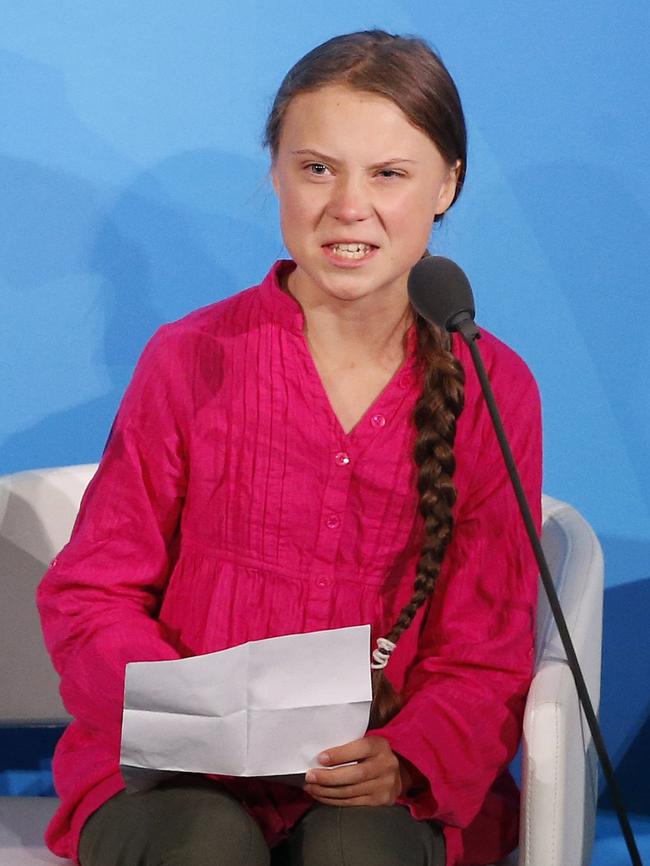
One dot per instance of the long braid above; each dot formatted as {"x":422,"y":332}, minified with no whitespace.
{"x":435,"y":416}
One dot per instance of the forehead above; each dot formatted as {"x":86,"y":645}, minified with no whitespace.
{"x":337,"y":118}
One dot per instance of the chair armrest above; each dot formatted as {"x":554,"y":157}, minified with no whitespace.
{"x":559,"y":773}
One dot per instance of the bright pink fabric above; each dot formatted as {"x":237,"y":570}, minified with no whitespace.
{"x":229,"y":506}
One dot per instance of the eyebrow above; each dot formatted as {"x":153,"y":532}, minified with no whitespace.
{"x":324,"y":158}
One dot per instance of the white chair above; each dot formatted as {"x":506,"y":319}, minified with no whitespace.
{"x":559,"y":774}
{"x":37,"y":510}
{"x":559,"y":762}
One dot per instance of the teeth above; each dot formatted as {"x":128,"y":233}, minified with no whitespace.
{"x":351,"y":251}
{"x":352,"y":248}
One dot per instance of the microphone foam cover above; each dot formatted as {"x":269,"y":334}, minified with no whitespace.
{"x":440,"y":291}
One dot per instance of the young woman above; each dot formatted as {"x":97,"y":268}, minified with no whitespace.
{"x":310,"y":454}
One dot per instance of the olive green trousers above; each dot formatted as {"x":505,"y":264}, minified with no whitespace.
{"x":192,"y":822}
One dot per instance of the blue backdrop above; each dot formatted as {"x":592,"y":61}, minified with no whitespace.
{"x":134,"y":189}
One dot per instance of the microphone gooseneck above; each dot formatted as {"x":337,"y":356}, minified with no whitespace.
{"x":440,"y":292}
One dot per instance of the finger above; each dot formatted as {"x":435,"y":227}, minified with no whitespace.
{"x":357,"y":750}
{"x":345,"y":792}
{"x":354,"y":801}
{"x":348,"y":775}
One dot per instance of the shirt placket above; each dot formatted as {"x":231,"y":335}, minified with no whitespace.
{"x":333,"y":507}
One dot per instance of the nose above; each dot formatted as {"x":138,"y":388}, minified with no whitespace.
{"x":350,"y":200}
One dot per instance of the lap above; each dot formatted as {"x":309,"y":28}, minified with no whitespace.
{"x":185,"y":822}
{"x":193,"y":822}
{"x":361,"y":836}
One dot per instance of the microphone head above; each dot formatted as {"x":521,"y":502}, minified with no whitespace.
{"x":440,"y":292}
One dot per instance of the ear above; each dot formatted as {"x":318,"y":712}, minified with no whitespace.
{"x":274,"y":177}
{"x":448,"y":188}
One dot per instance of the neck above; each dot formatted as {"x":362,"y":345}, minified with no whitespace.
{"x":368,"y":329}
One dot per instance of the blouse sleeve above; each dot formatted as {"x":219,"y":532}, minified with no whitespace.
{"x":465,"y":692}
{"x":98,"y":600}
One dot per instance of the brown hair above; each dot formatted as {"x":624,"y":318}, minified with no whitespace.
{"x":403,"y":69}
{"x":406,"y":71}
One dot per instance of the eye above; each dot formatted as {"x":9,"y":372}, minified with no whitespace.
{"x":317,"y":168}
{"x":389,"y":173}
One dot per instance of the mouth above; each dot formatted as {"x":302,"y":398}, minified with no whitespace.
{"x":352,"y":251}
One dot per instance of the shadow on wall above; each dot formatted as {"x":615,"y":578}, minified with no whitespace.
{"x":96,"y":254}
{"x":625,"y":697}
{"x":593,"y":228}
{"x":149,"y":258}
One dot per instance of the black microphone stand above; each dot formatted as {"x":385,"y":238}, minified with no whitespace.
{"x":470,"y":333}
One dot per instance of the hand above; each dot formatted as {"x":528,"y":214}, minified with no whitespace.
{"x":376,"y":780}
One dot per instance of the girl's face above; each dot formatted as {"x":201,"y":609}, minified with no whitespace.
{"x":359,"y":187}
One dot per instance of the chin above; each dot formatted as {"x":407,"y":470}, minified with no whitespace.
{"x":364,"y":286}
{"x":351,"y":292}
{"x":348,"y":284}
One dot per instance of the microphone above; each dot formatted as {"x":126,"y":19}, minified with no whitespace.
{"x":440,"y":292}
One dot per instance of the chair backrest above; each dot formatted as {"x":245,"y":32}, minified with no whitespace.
{"x":37,"y":511}
{"x":575,"y":560}
{"x":559,"y":765}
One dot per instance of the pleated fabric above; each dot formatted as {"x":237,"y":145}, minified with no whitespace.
{"x":230,"y":505}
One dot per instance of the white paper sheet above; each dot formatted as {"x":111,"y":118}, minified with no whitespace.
{"x":265,"y":708}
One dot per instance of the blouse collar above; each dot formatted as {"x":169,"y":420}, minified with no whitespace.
{"x":285,"y":310}
{"x":282,"y":307}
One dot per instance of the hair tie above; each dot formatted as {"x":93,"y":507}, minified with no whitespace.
{"x":382,"y":654}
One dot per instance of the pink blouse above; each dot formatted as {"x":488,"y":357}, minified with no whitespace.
{"x":230,"y":505}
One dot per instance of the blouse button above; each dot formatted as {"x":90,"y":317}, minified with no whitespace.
{"x":54,"y":562}
{"x":333,"y":521}
{"x":342,"y":458}
{"x":378,"y":421}
{"x":322,"y":581}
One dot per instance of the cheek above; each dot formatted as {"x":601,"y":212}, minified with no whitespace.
{"x":296,"y":211}
{"x":412,"y":214}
